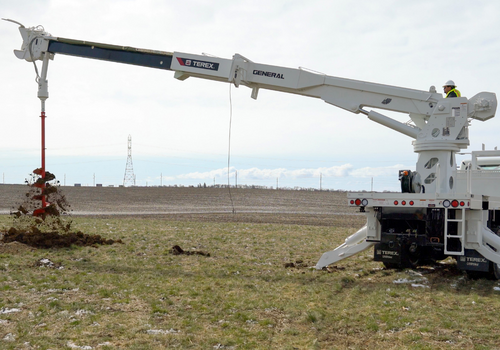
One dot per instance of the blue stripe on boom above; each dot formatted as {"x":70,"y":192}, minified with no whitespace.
{"x":129,"y":57}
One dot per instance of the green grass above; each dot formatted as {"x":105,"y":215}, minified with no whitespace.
{"x":137,"y":295}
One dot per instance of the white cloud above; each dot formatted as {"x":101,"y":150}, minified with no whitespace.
{"x":379,"y":171}
{"x":342,"y":171}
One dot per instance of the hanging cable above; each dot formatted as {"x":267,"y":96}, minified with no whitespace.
{"x":229,"y":149}
{"x":37,"y":79}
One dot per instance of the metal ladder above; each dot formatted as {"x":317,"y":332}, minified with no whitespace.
{"x":460,"y":232}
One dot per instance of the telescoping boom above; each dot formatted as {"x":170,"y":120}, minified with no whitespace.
{"x":443,"y":210}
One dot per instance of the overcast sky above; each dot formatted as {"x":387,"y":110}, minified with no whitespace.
{"x":180,"y":129}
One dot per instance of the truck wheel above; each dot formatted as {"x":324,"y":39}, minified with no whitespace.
{"x":414,"y":261}
{"x":495,"y":271}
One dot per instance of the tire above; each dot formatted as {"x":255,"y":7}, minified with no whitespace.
{"x":494,"y":271}
{"x":414,"y":261}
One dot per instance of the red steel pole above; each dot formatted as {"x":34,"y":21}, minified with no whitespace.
{"x":43,"y":94}
{"x":44,"y":202}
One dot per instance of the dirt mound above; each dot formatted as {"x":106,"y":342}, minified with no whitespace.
{"x":55,"y":239}
{"x":41,"y":220}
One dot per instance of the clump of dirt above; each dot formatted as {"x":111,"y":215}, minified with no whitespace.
{"x":297,"y":264}
{"x":176,"y":250}
{"x":42,"y":220}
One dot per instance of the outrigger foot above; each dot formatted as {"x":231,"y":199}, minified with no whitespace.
{"x":353,"y":244}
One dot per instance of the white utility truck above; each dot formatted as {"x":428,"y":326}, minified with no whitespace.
{"x":443,"y":210}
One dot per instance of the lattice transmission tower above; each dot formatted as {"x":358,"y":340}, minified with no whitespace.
{"x":129,"y":177}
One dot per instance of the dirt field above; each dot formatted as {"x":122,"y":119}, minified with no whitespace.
{"x":203,"y":204}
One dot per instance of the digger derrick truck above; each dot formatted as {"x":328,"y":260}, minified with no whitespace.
{"x":442,"y":211}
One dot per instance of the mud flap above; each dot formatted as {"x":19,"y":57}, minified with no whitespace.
{"x":473,"y":261}
{"x":387,"y":253}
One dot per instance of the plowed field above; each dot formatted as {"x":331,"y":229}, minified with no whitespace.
{"x":203,"y":204}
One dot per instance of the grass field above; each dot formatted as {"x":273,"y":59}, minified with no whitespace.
{"x":138,"y":295}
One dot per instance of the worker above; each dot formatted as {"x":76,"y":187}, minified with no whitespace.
{"x":450,"y":89}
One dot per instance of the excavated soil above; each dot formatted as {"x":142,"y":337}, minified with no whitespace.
{"x":48,"y":226}
{"x":55,"y":239}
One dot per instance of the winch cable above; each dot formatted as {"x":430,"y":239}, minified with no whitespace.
{"x":229,"y":149}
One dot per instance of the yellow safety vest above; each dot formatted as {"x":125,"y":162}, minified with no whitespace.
{"x":455,"y":91}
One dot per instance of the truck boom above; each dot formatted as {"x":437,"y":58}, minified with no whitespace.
{"x":442,"y":211}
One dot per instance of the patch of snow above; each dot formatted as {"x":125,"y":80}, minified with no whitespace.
{"x":162,"y":331}
{"x":415,"y":285}
{"x":9,"y":337}
{"x":403,"y":280}
{"x":83,"y":312}
{"x":414,"y":273}
{"x":496,"y":288}
{"x":9,"y":311}
{"x":220,"y":346}
{"x":74,"y":346}
{"x":44,"y":262}
{"x":406,"y":280}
